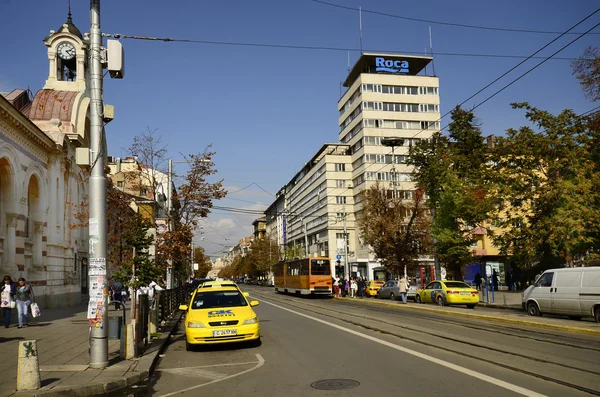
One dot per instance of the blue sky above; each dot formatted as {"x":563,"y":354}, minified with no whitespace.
{"x":266,"y":111}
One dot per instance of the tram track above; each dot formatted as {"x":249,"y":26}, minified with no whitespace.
{"x":340,"y":315}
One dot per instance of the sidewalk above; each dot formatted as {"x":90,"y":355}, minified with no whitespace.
{"x":63,"y":342}
{"x":501,"y":299}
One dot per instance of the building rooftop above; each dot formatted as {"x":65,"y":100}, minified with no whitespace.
{"x":367,"y":63}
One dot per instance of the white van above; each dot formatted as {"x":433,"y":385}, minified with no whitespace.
{"x":574,"y":292}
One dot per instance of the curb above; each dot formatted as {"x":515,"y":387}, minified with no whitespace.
{"x":566,"y":328}
{"x":146,"y":364}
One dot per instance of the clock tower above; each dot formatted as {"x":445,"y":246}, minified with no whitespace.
{"x":67,"y":58}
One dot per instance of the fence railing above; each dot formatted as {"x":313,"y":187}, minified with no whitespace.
{"x":168,"y":301}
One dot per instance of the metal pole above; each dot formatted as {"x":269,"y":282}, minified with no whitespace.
{"x":97,"y":229}
{"x":169,"y":282}
{"x":305,"y":237}
{"x":346,"y":265}
{"x":436,"y":262}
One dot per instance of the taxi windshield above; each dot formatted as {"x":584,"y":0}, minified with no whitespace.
{"x":212,"y":299}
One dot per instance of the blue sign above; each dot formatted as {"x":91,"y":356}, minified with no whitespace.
{"x":220,"y":313}
{"x":338,"y":257}
{"x":388,"y":65}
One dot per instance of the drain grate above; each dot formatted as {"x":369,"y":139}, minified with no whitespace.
{"x":334,"y":384}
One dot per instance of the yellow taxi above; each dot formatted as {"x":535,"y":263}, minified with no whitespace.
{"x":220,"y":314}
{"x":447,"y":292}
{"x":373,"y":286}
{"x":220,"y":283}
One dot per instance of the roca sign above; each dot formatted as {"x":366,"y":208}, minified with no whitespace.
{"x":388,"y":65}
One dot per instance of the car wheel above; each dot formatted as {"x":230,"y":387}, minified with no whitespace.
{"x":418,"y":298}
{"x":471,"y":306}
{"x":256,"y":343}
{"x":439,"y":300}
{"x":533,"y":309}
{"x":188,"y":346}
{"x":392,"y":297}
{"x":597,"y":314}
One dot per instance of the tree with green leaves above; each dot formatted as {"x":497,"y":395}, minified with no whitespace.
{"x":264,"y":253}
{"x":549,"y":180}
{"x":455,"y":174}
{"x":137,"y":238}
{"x":396,"y":229}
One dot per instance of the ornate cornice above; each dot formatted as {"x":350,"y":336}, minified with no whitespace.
{"x":25,"y":131}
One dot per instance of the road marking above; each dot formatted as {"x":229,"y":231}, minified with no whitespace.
{"x":63,"y":368}
{"x":259,"y":364}
{"x":195,"y":372}
{"x":458,"y":368}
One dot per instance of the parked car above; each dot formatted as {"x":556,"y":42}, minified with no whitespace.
{"x":373,"y":286}
{"x":391,"y":291}
{"x":448,"y":292}
{"x":573,"y":292}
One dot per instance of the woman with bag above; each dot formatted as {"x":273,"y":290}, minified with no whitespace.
{"x":7,"y":292}
{"x":24,"y":299}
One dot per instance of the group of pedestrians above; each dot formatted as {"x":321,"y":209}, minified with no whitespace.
{"x":353,"y":287}
{"x":16,"y":295}
{"x":357,"y":286}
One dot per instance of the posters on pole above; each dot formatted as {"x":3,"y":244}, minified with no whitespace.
{"x":93,"y":226}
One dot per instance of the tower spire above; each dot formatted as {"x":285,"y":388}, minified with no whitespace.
{"x":69,"y":19}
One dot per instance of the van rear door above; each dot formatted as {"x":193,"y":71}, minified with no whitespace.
{"x":589,"y":295}
{"x":565,"y":293}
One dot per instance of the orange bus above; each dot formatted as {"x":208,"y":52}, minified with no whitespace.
{"x":307,"y":276}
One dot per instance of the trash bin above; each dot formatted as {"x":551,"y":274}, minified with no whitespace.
{"x":114,"y":328}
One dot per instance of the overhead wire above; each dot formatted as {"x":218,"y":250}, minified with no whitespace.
{"x":309,"y":47}
{"x":460,"y":25}
{"x":501,"y":89}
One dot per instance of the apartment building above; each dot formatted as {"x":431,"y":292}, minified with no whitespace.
{"x":389,"y":98}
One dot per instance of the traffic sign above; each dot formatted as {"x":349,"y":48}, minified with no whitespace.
{"x":338,"y":257}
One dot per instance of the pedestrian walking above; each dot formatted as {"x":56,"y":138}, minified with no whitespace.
{"x":336,"y":286}
{"x":403,"y":287}
{"x":24,"y":297}
{"x":117,"y":289}
{"x":8,"y":303}
{"x":477,"y":281}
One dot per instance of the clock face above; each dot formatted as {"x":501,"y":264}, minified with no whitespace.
{"x":65,"y":51}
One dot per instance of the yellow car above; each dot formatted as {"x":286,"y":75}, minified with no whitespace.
{"x":373,"y":286}
{"x":220,"y":315}
{"x":215,"y":283}
{"x":447,"y":292}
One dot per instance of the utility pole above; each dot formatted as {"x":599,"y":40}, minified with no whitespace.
{"x":305,"y":236}
{"x":170,"y":218}
{"x":97,"y":208}
{"x":346,"y":265}
{"x":436,"y":262}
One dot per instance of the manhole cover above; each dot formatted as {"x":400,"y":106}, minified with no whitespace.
{"x":334,"y":384}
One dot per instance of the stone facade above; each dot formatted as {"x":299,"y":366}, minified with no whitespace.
{"x":43,"y":192}
{"x":41,"y":189}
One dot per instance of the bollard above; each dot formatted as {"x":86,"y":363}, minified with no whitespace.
{"x":28,"y":368}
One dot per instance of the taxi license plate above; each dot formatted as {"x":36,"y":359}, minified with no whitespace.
{"x":224,"y":332}
{"x":465,"y":293}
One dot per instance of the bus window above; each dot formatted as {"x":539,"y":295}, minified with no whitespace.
{"x":320,"y":267}
{"x":304,"y":267}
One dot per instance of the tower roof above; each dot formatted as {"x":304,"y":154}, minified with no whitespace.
{"x":70,"y":27}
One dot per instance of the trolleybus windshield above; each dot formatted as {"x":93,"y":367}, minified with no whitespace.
{"x":320,"y":267}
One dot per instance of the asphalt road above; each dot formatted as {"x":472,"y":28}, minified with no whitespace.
{"x":359,"y":349}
